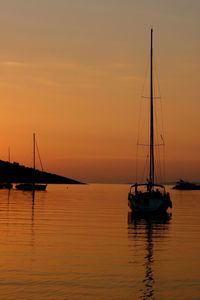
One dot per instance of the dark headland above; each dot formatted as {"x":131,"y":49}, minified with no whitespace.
{"x":14,"y":172}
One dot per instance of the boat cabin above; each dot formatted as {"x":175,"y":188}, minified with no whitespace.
{"x":155,"y":189}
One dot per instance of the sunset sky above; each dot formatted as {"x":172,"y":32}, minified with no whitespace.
{"x":72,"y":71}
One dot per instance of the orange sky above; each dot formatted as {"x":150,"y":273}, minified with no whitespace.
{"x":73,"y":71}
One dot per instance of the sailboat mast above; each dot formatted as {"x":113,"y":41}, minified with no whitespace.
{"x":34,"y":151}
{"x":9,"y":154}
{"x":151,"y":169}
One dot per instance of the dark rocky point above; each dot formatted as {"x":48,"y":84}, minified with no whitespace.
{"x":14,"y":172}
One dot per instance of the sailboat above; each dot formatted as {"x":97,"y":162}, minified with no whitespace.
{"x":32,"y":186}
{"x":149,"y":197}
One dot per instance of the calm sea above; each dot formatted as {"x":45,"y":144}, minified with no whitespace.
{"x":80,"y":242}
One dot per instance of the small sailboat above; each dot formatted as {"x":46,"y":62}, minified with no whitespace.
{"x":34,"y":186}
{"x":149,"y":197}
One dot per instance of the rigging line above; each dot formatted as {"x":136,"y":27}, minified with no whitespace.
{"x":159,"y":154}
{"x":145,"y":169}
{"x":145,"y":75}
{"x":156,"y":136}
{"x":142,"y":93}
{"x":147,"y":145}
{"x":161,"y":158}
{"x":157,"y":78}
{"x":158,"y":167}
{"x":163,"y":140}
{"x":140,"y":121}
{"x":144,"y":127}
{"x":164,"y":165}
{"x":136,"y":166}
{"x":162,"y":123}
{"x":39,"y":155}
{"x":146,"y":97}
{"x":138,"y":132}
{"x":160,"y":97}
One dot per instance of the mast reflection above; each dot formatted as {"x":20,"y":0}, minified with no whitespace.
{"x":33,"y":206}
{"x":148,"y":228}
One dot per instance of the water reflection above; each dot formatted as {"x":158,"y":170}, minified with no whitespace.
{"x":30,"y":201}
{"x":147,"y":230}
{"x":7,"y":206}
{"x":8,"y":200}
{"x":33,"y":206}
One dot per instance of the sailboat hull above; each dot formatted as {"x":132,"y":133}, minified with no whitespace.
{"x":6,"y":185}
{"x":31,"y":187}
{"x":149,"y":202}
